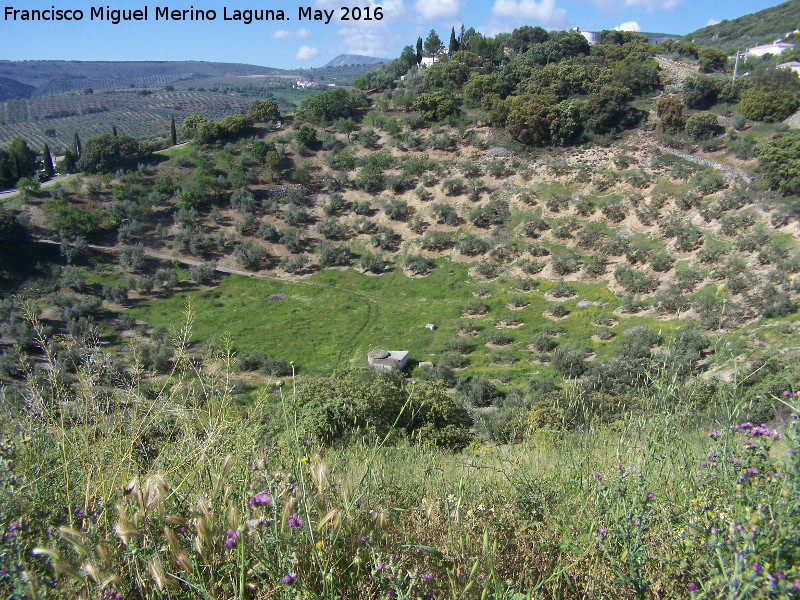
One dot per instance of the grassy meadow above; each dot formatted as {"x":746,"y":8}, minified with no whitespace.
{"x":175,"y":492}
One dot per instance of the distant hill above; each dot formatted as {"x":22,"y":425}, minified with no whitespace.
{"x":655,"y":38}
{"x":355,"y":59}
{"x":750,"y":30}
{"x":11,"y":88}
{"x":59,"y":76}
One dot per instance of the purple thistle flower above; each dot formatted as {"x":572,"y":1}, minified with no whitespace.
{"x":289,"y":579}
{"x":260,"y":498}
{"x":602,"y":531}
{"x":597,"y":476}
{"x":787,"y":393}
{"x":295,"y":521}
{"x":637,"y":523}
{"x":692,"y":586}
{"x":756,"y":566}
{"x":651,"y":495}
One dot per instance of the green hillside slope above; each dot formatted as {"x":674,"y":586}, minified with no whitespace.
{"x":751,"y":29}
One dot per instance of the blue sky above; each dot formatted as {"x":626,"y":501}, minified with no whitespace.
{"x":294,"y":43}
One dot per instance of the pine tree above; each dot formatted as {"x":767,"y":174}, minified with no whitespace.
{"x":173,"y":133}
{"x":453,"y":46}
{"x":114,"y":130}
{"x":76,"y":145}
{"x":47,"y":161}
{"x":419,"y":51}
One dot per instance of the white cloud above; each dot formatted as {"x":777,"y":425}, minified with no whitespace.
{"x":370,"y":41}
{"x":438,"y":9}
{"x":648,"y":5}
{"x":712,"y":21}
{"x":306,"y":53}
{"x":544,"y":11}
{"x":283,"y":34}
{"x":628,"y":26}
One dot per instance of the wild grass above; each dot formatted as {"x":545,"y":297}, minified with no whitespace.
{"x":332,"y":319}
{"x":111,"y":488}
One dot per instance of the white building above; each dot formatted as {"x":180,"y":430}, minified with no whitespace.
{"x":773,"y":48}
{"x":389,"y":360}
{"x":794,"y":65}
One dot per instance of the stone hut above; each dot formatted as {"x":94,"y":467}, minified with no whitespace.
{"x":388,"y":360}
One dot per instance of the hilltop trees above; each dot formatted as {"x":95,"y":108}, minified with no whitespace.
{"x":16,"y":162}
{"x":325,"y":107}
{"x":263,"y":111}
{"x":780,"y":160}
{"x":104,"y":152}
{"x":47,"y":161}
{"x":173,"y":134}
{"x":433,"y":44}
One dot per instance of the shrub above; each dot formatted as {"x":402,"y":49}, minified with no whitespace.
{"x":436,"y":240}
{"x":333,"y":255}
{"x":487,"y":269}
{"x":494,"y":212}
{"x":634,"y":281}
{"x":454,"y":186}
{"x":445,"y":214}
{"x":475,"y":307}
{"x":596,"y":265}
{"x":768,"y":105}
{"x":661,"y":262}
{"x":267,"y":232}
{"x":373,"y":263}
{"x":562,"y":290}
{"x":203,"y":273}
{"x":418,"y":264}
{"x":566,"y":262}
{"x":542,"y":342}
{"x":249,"y":254}
{"x":570,"y":361}
{"x":294,"y":263}
{"x":557,"y":309}
{"x":703,"y":125}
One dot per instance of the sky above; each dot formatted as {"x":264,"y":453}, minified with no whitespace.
{"x":302,"y":42}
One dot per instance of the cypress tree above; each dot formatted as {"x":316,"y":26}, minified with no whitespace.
{"x":47,"y":161}
{"x":419,"y":50}
{"x":173,"y":133}
{"x":453,"y":46}
{"x":114,"y":130}
{"x":76,"y":145}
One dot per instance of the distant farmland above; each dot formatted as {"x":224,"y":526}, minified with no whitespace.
{"x":143,"y":114}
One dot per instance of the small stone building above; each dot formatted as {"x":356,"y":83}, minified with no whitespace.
{"x":388,"y":360}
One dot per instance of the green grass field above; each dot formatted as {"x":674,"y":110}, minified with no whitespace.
{"x":335,"y":317}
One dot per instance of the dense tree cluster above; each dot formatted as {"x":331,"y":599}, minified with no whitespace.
{"x":16,"y":161}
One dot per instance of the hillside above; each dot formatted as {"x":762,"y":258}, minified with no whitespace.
{"x":11,"y":88}
{"x":355,"y":59}
{"x":749,"y":30}
{"x":591,"y":255}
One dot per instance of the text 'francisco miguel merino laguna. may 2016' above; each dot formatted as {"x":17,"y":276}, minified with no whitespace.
{"x":165,"y":13}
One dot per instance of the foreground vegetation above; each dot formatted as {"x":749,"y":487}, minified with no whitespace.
{"x":114,"y":487}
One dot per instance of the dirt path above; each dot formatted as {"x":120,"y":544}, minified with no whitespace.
{"x":794,"y":120}
{"x":678,"y":72}
{"x":731,"y":172}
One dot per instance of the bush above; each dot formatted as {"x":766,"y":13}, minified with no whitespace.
{"x":634,"y":281}
{"x":562,"y":290}
{"x":418,"y":264}
{"x":333,"y":255}
{"x":436,"y":240}
{"x":494,"y":212}
{"x":768,"y":105}
{"x":661,"y":262}
{"x":566,"y":262}
{"x":203,"y":273}
{"x":250,"y":255}
{"x":703,"y":125}
{"x":557,"y":309}
{"x":475,"y":307}
{"x":373,"y":263}
{"x":542,"y":342}
{"x":570,"y":361}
